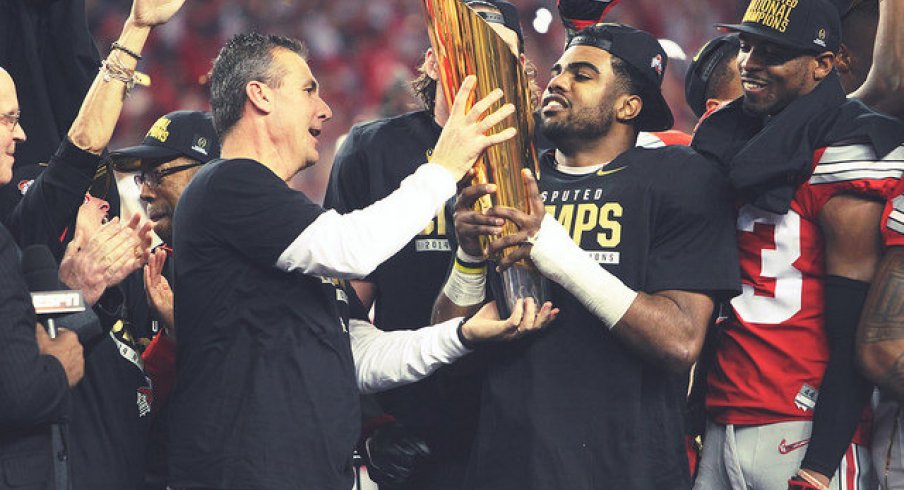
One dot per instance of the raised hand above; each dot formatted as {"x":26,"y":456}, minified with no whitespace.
{"x":463,"y":138}
{"x":160,"y":294}
{"x":150,"y":13}
{"x":486,"y":325}
{"x":578,"y":14}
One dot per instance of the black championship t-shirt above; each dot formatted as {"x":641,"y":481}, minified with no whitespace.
{"x":265,"y":393}
{"x":573,"y":407}
{"x":370,"y":165}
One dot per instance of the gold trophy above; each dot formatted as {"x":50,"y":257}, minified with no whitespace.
{"x":464,"y":44}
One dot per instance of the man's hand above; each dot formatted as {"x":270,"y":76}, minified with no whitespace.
{"x":66,"y":348}
{"x":160,"y":294}
{"x":392,"y":453}
{"x":486,"y":325}
{"x":92,"y":265}
{"x":470,"y":224}
{"x":150,"y":13}
{"x":464,"y":136}
{"x":578,"y":14}
{"x":528,"y":225}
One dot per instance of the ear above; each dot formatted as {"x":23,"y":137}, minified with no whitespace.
{"x":260,"y":96}
{"x":825,"y":62}
{"x":711,"y":104}
{"x":843,"y":61}
{"x":628,"y":107}
{"x":431,"y":66}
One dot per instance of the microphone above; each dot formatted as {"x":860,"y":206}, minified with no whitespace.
{"x":54,"y":301}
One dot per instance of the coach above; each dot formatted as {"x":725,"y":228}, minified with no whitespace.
{"x":265,"y":392}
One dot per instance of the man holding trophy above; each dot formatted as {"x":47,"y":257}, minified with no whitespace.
{"x":376,"y":156}
{"x":639,"y":244}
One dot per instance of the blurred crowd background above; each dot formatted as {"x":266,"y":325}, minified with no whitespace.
{"x":363,"y":53}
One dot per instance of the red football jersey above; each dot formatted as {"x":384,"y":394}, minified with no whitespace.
{"x":772,"y":355}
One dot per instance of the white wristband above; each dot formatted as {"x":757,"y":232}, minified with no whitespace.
{"x":466,"y":285}
{"x":557,"y":257}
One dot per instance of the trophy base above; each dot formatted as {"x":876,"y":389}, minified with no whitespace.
{"x":518,"y":282}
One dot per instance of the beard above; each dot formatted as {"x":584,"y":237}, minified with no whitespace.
{"x":579,"y":128}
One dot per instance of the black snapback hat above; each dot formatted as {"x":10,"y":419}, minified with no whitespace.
{"x":808,"y":25}
{"x":509,"y":16}
{"x":705,"y":62}
{"x":643,"y":52}
{"x":177,"y":134}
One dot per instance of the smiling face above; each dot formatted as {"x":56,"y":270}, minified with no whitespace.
{"x":579,"y":102}
{"x":298,"y":108}
{"x":773,"y":76}
{"x":11,"y":132}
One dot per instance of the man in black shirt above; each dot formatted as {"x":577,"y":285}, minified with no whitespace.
{"x":265,"y":393}
{"x":640,"y":244}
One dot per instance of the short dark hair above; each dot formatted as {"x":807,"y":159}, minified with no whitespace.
{"x":246,"y":57}
{"x":631,"y":81}
{"x":717,"y":87}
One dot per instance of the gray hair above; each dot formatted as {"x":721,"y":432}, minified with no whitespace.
{"x":245,"y":58}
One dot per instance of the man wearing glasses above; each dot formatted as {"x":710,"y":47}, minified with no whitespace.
{"x":172,"y":152}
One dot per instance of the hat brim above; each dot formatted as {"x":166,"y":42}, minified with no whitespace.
{"x":656,"y":114}
{"x":766,"y":34}
{"x":129,"y":159}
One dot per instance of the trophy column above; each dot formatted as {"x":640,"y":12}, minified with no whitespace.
{"x":464,"y":44}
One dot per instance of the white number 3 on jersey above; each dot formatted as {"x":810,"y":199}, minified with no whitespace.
{"x":756,"y":304}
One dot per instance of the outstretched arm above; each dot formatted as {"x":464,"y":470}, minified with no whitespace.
{"x":884,"y":86}
{"x":93,"y":127}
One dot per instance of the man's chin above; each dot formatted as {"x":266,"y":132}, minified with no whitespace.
{"x":164,"y":230}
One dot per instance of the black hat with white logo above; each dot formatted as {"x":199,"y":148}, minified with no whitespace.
{"x":807,"y":25}
{"x":177,"y":134}
{"x":643,"y":52}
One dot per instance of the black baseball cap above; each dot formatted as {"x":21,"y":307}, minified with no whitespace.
{"x":509,"y":16}
{"x":807,"y":25}
{"x":643,"y":52}
{"x":705,"y":62}
{"x":177,"y":134}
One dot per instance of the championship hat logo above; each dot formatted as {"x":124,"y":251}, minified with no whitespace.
{"x":200,"y":144}
{"x":821,"y":38}
{"x":159,"y":130}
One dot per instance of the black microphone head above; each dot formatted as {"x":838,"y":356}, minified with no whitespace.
{"x":40,"y":269}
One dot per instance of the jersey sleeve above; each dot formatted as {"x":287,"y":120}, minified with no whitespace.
{"x":694,"y":245}
{"x":893,"y":219}
{"x":255,"y":212}
{"x":348,"y":187}
{"x":854,"y":169}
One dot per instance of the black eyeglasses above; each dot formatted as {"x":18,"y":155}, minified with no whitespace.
{"x":152,"y":178}
{"x":12,"y":118}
